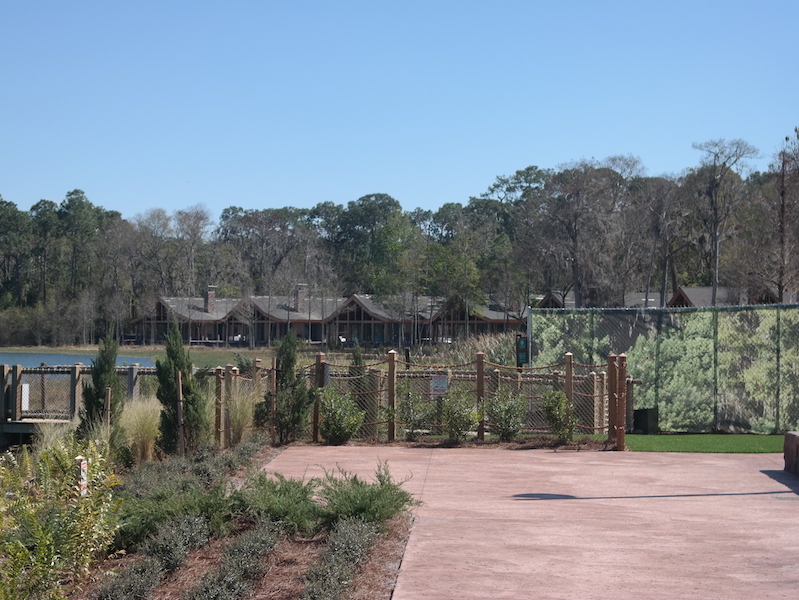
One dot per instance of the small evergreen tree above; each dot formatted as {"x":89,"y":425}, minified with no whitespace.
{"x":293,"y":398}
{"x":104,"y":375}
{"x":196,"y":422}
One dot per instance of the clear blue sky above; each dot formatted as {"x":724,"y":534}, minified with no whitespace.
{"x":259,"y":104}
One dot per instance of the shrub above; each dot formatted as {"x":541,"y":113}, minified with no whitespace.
{"x":412,"y":411}
{"x":347,"y":496}
{"x":175,"y":538}
{"x":242,"y":411}
{"x":242,"y":565}
{"x":340,"y":416}
{"x":50,"y":531}
{"x":346,"y":548}
{"x":288,"y":501}
{"x":560,"y":415}
{"x":133,"y":583}
{"x":104,"y":375}
{"x":506,"y":414}
{"x":458,"y":415}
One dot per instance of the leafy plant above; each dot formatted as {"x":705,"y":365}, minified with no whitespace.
{"x":412,"y":411}
{"x":458,"y":415}
{"x":560,"y":415}
{"x":340,"y":416}
{"x":506,"y":414}
{"x":52,"y":532}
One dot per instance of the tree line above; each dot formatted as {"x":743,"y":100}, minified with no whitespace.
{"x":69,"y":271}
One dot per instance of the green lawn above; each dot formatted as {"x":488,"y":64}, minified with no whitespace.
{"x":705,"y":442}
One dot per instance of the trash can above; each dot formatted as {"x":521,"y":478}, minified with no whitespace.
{"x":645,"y":420}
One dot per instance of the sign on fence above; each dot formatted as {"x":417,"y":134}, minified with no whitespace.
{"x":439,"y":384}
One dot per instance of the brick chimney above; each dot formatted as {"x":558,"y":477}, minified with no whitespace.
{"x":210,"y":299}
{"x":301,"y":298}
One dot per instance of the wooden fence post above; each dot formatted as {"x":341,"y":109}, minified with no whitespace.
{"x":133,"y":381}
{"x":179,"y":399}
{"x":392,"y":395}
{"x":621,"y":403}
{"x":75,"y":388}
{"x":481,"y":390}
{"x":16,"y":392}
{"x":319,"y":374}
{"x":273,"y":399}
{"x":256,"y":378}
{"x":569,"y":383}
{"x":107,"y":409}
{"x":5,"y":384}
{"x":612,"y":397}
{"x":219,"y":420}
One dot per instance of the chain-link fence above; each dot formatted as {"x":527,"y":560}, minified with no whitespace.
{"x":730,"y":369}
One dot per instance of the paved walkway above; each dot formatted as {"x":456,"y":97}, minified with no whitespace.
{"x":581,"y":525}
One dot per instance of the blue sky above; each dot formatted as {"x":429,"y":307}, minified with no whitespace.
{"x":261,"y":104}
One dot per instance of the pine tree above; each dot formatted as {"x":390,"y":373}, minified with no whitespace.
{"x":196,"y":421}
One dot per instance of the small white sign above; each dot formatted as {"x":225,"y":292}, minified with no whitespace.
{"x":439,"y":385}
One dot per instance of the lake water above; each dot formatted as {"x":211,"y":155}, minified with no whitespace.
{"x":35,"y":359}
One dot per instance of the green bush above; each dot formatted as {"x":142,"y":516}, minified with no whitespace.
{"x":340,"y":416}
{"x":49,"y":531}
{"x":412,"y":411}
{"x":346,"y":548}
{"x":175,"y":538}
{"x":347,"y":496}
{"x":506,"y":414}
{"x":287,"y":501}
{"x":458,"y":415}
{"x":133,"y":583}
{"x":242,"y":565}
{"x":560,"y":415}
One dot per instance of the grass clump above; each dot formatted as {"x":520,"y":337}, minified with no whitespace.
{"x":140,"y":421}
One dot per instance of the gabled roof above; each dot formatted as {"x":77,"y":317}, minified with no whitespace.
{"x":283,"y":308}
{"x":193,"y":309}
{"x":703,"y":295}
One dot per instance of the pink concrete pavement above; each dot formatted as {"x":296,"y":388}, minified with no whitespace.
{"x":579,"y":525}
